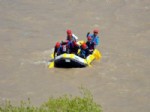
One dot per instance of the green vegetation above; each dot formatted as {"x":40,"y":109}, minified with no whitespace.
{"x":62,"y":104}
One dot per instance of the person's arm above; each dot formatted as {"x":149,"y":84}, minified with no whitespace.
{"x":75,"y":36}
{"x":55,"y":50}
{"x":97,"y":40}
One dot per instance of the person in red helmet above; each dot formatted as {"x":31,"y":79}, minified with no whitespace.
{"x":70,"y":35}
{"x":90,"y":44}
{"x":84,"y":51}
{"x":60,"y":48}
{"x":94,"y":36}
{"x":57,"y":49}
{"x":75,"y":47}
{"x":71,"y":38}
{"x":65,"y":47}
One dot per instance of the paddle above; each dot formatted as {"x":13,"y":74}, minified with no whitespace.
{"x":51,"y":65}
{"x":51,"y":61}
{"x":97,"y":54}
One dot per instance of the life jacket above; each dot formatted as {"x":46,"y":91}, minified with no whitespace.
{"x":64,"y":47}
{"x":84,"y":53}
{"x":95,"y":39}
{"x":90,"y":45}
{"x":75,"y":48}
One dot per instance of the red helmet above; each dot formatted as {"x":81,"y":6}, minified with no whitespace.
{"x":89,"y":38}
{"x":69,"y":32}
{"x":84,"y":46}
{"x":95,"y":31}
{"x":57,"y":45}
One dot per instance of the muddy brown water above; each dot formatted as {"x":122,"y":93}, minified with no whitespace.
{"x":29,"y":30}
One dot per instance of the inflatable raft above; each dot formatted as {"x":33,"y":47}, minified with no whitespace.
{"x":72,"y":60}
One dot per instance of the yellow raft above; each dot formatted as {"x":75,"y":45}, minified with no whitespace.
{"x":72,"y":60}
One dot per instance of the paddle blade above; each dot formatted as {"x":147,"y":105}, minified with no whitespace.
{"x":89,"y":59}
{"x":51,"y":65}
{"x":52,"y":56}
{"x":97,"y":54}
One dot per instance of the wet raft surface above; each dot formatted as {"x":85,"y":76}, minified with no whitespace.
{"x":29,"y":29}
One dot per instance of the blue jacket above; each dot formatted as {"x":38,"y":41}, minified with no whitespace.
{"x":84,"y":53}
{"x":62,"y":49}
{"x":95,"y":39}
